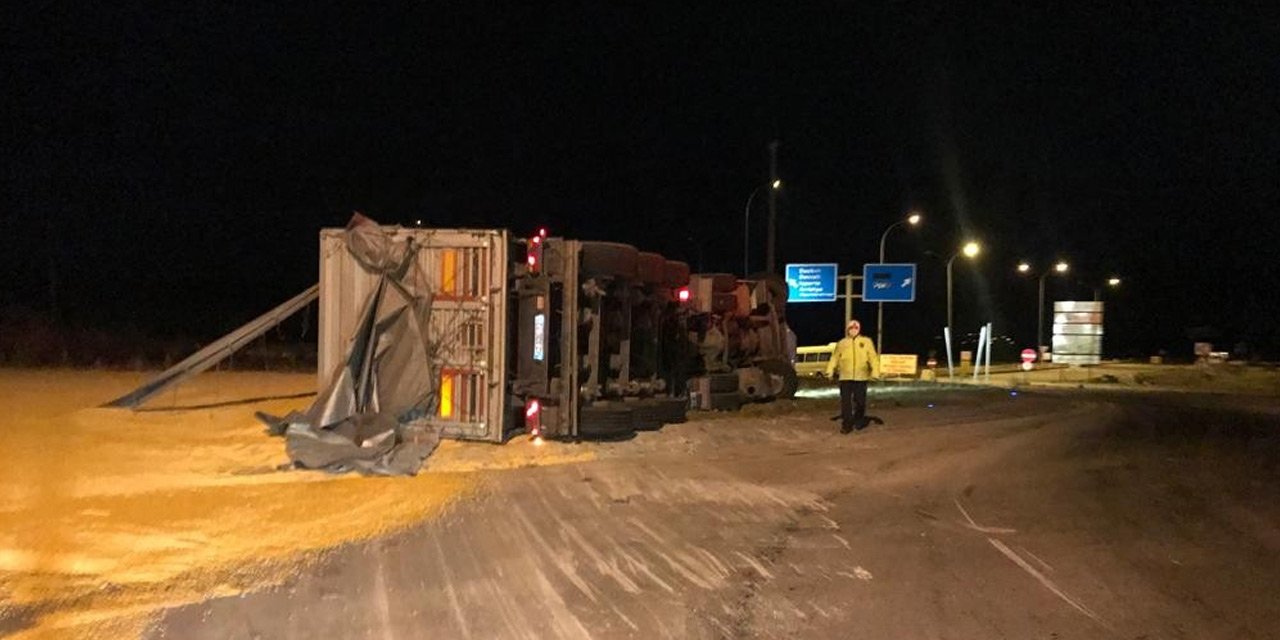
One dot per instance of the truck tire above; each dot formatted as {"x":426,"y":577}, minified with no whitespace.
{"x":675,"y":410}
{"x":722,"y":382}
{"x":647,"y":415}
{"x":609,"y":259}
{"x":605,"y":423}
{"x":676,"y":274}
{"x":726,"y":401}
{"x":650,"y":268}
{"x":782,"y":376}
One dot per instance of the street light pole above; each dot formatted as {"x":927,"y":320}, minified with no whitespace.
{"x":746,"y":225}
{"x":970,"y":250}
{"x":913,"y":219}
{"x":953,"y":259}
{"x":1060,"y":267}
{"x":1040,"y":317}
{"x":770,"y":264}
{"x":1112,"y":282}
{"x":746,"y":233}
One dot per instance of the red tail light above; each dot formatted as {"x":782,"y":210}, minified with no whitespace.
{"x":682,"y":294}
{"x":533,"y":417}
{"x":542,"y":232}
{"x":535,"y":253}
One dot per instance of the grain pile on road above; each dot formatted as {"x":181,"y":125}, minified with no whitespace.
{"x":107,"y":515}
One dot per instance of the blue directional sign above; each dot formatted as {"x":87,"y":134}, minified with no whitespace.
{"x":811,"y":282}
{"x":888,"y":283}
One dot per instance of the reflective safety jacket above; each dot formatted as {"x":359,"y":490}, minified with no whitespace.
{"x":855,"y":359}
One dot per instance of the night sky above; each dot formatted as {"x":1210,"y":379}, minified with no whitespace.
{"x":167,"y":170}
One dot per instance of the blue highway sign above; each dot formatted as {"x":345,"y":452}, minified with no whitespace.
{"x":889,"y":283}
{"x":811,"y":282}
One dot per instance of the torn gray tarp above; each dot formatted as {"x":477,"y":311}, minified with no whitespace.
{"x":361,"y":421}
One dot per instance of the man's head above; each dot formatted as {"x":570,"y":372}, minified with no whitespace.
{"x":853,"y":328}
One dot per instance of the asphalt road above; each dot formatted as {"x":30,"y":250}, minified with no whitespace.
{"x":986,"y":516}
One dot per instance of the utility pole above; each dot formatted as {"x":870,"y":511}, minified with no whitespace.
{"x":771,"y":265}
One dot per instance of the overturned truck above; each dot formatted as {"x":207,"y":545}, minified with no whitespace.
{"x":745,"y":348}
{"x":556,"y":337}
{"x":566,"y":338}
{"x":478,"y":334}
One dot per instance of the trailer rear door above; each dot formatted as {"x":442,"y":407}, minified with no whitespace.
{"x":468,"y":272}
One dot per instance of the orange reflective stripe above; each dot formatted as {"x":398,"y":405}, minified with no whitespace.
{"x":446,"y":395}
{"x":449,"y":272}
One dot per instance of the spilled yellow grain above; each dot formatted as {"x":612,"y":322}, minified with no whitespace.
{"x":107,"y":516}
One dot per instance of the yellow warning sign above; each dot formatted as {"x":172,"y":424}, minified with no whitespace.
{"x":899,"y":365}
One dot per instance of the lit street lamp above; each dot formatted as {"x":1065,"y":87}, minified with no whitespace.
{"x":1112,"y":282}
{"x":1060,"y":268}
{"x":746,"y":224}
{"x":970,"y":250}
{"x":914,"y":220}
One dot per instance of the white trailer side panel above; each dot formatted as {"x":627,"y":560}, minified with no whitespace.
{"x":467,"y":272}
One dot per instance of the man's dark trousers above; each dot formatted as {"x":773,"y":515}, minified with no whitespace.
{"x":853,"y":403}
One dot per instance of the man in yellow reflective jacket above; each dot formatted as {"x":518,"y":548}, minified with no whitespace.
{"x":854,"y":363}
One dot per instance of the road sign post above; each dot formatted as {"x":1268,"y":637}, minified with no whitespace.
{"x":811,"y":282}
{"x":889,"y":282}
{"x":818,"y":283}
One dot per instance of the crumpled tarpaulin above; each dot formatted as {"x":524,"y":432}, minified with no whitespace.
{"x":360,"y":422}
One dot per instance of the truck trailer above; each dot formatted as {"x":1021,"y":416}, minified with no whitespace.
{"x":551,"y":336}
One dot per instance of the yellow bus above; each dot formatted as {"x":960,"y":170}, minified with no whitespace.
{"x":811,"y":362}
